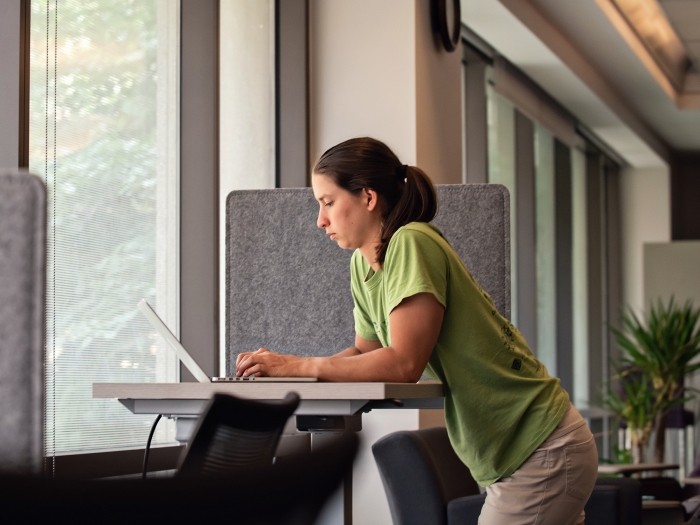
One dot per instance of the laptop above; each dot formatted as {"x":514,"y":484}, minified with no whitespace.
{"x":192,"y":365}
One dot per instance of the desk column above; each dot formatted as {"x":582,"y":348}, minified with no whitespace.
{"x":325,"y":429}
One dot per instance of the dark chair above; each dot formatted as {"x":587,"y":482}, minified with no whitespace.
{"x":22,"y":320}
{"x":421,"y":475}
{"x":291,"y":493}
{"x":625,"y":501}
{"x":234,"y":434}
{"x":427,"y":484}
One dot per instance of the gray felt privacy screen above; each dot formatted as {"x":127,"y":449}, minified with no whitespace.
{"x":288,"y":285}
{"x":22,"y":286}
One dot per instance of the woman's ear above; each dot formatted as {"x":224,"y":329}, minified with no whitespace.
{"x":371,"y":199}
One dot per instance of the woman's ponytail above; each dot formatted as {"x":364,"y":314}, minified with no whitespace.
{"x":417,"y":203}
{"x":407,"y":193}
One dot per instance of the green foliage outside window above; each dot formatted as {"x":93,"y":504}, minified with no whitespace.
{"x":104,"y":198}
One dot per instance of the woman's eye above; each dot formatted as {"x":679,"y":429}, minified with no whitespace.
{"x":327,"y":204}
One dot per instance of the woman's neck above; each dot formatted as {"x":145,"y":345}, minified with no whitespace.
{"x":369,"y":252}
{"x":373,"y":239}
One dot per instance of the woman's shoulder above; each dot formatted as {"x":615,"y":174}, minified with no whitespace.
{"x":420,"y":236}
{"x":420,"y":231}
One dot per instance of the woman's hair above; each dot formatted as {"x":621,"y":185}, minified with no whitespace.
{"x":406,"y":192}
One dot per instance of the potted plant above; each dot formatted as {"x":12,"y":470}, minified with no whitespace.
{"x":662,"y":348}
{"x":639,"y":405}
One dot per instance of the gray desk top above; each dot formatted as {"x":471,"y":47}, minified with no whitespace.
{"x":189,"y":399}
{"x":320,"y":390}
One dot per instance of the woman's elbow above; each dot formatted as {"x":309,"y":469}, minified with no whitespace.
{"x":414,"y":378}
{"x":412,"y":374}
{"x":407,"y":368}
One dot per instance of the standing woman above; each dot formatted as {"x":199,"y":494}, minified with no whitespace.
{"x":418,"y":309}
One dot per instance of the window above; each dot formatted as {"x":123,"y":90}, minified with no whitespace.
{"x":545,"y":217}
{"x":104,"y":133}
{"x":581,"y":394}
{"x":501,"y":170}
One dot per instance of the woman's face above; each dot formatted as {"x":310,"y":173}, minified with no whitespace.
{"x":351,"y":220}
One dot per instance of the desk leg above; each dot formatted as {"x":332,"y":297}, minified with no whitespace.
{"x":338,"y":508}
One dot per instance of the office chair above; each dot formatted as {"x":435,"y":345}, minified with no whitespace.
{"x":423,"y":476}
{"x":234,"y":434}
{"x":22,"y":320}
{"x":289,"y":493}
{"x":427,"y":484}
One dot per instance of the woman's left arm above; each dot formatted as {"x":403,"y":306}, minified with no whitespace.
{"x":414,"y":326}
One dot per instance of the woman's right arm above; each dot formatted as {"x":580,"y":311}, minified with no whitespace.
{"x":362,"y":346}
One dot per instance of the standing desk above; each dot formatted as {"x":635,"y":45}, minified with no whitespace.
{"x":324,"y":407}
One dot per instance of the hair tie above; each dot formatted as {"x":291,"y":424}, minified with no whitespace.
{"x":402,"y":173}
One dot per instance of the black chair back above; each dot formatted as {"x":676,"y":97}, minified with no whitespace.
{"x":628,"y":502}
{"x":234,"y":434}
{"x":421,"y":474}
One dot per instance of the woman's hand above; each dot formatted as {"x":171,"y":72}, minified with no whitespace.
{"x":267,"y":363}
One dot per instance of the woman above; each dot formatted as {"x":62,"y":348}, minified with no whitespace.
{"x":418,"y":309}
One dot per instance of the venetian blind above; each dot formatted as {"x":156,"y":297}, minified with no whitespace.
{"x":104,"y":134}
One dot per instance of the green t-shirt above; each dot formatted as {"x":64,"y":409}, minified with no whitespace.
{"x":500,"y":402}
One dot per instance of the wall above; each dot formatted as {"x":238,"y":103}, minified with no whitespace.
{"x":438,"y":101}
{"x":671,"y":269}
{"x":376,"y":71}
{"x":362,"y":74}
{"x":645,"y":211}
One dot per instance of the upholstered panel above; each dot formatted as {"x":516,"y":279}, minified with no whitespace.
{"x":22,"y":288}
{"x":475,"y":218}
{"x":288,"y":286}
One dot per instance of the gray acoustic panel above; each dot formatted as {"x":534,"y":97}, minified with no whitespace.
{"x":22,"y":319}
{"x":475,"y":219}
{"x":288,"y":286}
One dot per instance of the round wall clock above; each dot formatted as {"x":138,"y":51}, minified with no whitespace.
{"x":448,"y":22}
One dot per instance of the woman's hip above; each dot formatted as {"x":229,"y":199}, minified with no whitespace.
{"x":552,"y":485}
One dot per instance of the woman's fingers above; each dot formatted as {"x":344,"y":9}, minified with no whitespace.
{"x":265,"y":363}
{"x":239,"y":361}
{"x":245,"y":363}
{"x":243,"y":360}
{"x":255,"y":370}
{"x":252,"y":364}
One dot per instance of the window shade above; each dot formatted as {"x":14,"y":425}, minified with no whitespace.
{"x":104,"y":134}
{"x":531,"y":100}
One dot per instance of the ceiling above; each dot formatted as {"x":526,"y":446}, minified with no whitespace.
{"x":684,"y":16}
{"x":574,"y":52}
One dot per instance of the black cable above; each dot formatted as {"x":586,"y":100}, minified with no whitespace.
{"x":148,"y":446}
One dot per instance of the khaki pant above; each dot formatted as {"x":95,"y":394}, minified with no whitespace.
{"x":552,"y":486}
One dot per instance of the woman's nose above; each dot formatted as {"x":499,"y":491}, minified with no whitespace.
{"x":322,"y":221}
